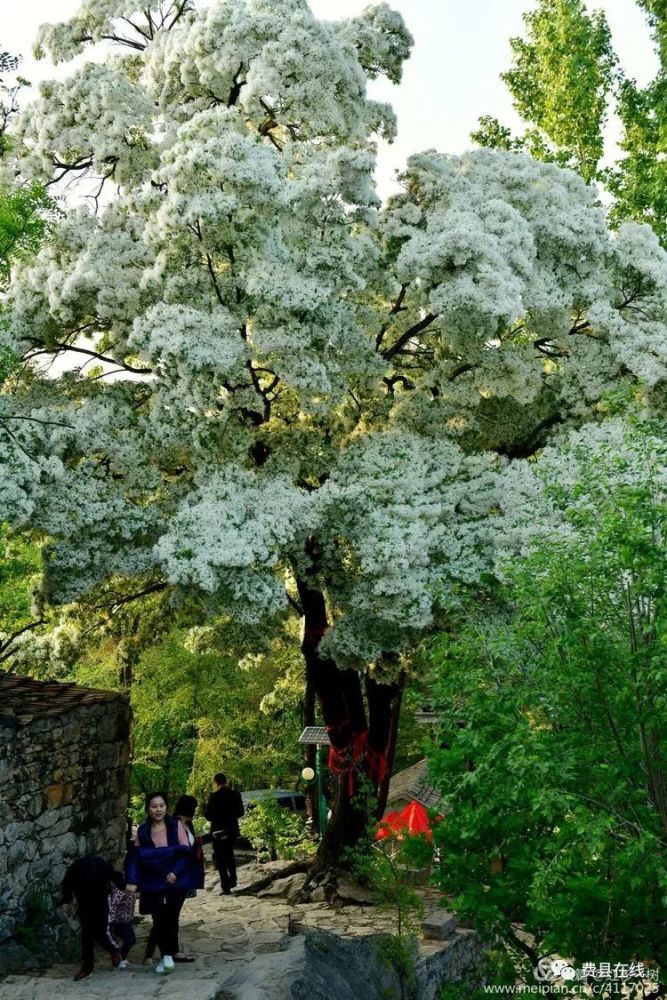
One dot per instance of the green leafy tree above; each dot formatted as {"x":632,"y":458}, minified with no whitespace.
{"x":20,"y":566}
{"x":243,"y":714}
{"x":553,"y":758}
{"x":388,"y":868}
{"x":22,"y":211}
{"x":201,"y":703}
{"x":638,"y":181}
{"x":275,"y":832}
{"x":560,"y":81}
{"x":22,"y":225}
{"x":565,"y":81}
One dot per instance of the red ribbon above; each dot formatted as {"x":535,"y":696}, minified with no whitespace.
{"x":346,"y":759}
{"x":343,"y":760}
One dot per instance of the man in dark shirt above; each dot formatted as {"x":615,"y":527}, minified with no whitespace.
{"x":224,"y":809}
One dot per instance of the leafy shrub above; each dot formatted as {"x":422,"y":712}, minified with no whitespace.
{"x":275,"y":832}
{"x":552,"y":746}
{"x":386,"y":869}
{"x":37,"y":911}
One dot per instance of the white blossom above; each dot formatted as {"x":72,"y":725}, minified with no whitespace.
{"x":231,"y":535}
{"x":262,"y":357}
{"x":99,"y":118}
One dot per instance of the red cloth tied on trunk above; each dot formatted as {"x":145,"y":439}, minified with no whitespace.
{"x":346,"y":759}
{"x":377,"y":764}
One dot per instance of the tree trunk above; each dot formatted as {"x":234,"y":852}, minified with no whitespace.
{"x":310,"y":750}
{"x":127,"y":653}
{"x":357,"y":757}
{"x":383,"y":790}
{"x":350,"y":815}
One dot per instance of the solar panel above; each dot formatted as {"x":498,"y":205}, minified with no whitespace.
{"x":315,"y":734}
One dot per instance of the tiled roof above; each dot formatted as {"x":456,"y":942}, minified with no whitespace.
{"x":413,"y":783}
{"x":23,"y":700}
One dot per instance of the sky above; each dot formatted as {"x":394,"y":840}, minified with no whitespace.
{"x":461,"y":47}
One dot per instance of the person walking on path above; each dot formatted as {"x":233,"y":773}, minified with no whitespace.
{"x":184,"y":811}
{"x":223,"y":811}
{"x":160,"y":867}
{"x":87,"y":880}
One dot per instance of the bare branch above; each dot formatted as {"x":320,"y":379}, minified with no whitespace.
{"x":413,"y":331}
{"x":237,"y":84}
{"x":118,"y":602}
{"x":180,"y":11}
{"x":214,"y":279}
{"x":461,"y":370}
{"x":118,"y":39}
{"x":396,"y":308}
{"x":5,"y":646}
{"x":397,"y":380}
{"x":99,"y":357}
{"x":35,"y":420}
{"x":19,"y":444}
{"x":549,"y":347}
{"x":135,"y":27}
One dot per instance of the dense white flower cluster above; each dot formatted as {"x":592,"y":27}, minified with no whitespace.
{"x":98,"y":118}
{"x":94,"y":21}
{"x":186,"y":347}
{"x":497,"y":238}
{"x":535,"y":502}
{"x":534,"y":301}
{"x":86,"y":279}
{"x":230,"y":537}
{"x":401,"y":518}
{"x":280,"y":66}
{"x":294,"y":364}
{"x":635,"y":317}
{"x":21,"y":475}
{"x":56,"y":650}
{"x":382,"y":41}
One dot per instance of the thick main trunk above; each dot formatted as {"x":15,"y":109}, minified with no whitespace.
{"x":127,"y":653}
{"x":350,"y":815}
{"x":358,"y":757}
{"x":383,"y":790}
{"x":309,"y":750}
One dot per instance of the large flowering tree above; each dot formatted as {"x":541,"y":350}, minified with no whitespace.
{"x":302,"y":396}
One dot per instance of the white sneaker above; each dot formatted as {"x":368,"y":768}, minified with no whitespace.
{"x":168,"y":963}
{"x":159,"y":968}
{"x":123,"y":964}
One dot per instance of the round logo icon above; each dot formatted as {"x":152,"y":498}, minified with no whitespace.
{"x":550,"y":969}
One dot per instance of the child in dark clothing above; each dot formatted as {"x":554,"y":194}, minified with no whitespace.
{"x":87,"y":880}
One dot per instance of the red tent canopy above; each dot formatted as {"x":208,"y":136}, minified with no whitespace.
{"x":412,"y":819}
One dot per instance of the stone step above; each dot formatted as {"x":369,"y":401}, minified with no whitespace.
{"x":438,"y":925}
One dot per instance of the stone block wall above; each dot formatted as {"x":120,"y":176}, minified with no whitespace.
{"x":64,"y":781}
{"x":328,"y":965}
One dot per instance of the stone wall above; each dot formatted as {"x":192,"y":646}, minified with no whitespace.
{"x":64,"y":781}
{"x":328,"y":966}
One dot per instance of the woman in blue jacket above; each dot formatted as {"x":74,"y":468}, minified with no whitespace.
{"x":160,"y":867}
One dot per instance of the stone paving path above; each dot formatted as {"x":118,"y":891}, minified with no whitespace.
{"x":242,"y":946}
